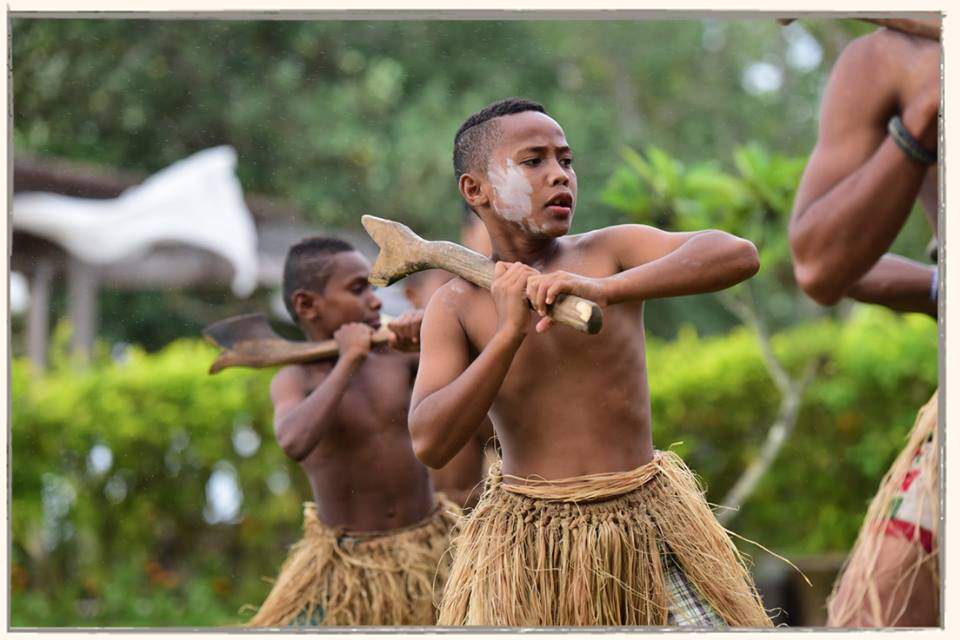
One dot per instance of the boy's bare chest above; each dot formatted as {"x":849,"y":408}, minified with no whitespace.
{"x":563,"y":355}
{"x":377,"y":396}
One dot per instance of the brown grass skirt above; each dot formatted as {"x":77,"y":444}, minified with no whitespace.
{"x":864,"y":563}
{"x":589,"y":551}
{"x":338,"y":577}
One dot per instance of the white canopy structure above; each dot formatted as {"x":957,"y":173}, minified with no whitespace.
{"x":88,"y":227}
{"x":197,"y":201}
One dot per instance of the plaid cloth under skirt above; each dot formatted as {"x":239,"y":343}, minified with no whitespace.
{"x":686,"y":606}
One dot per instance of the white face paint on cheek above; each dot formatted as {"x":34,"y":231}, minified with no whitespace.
{"x":513,"y":191}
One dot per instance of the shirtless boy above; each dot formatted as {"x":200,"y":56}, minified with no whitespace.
{"x":875,"y":157}
{"x":551,"y":542}
{"x":375,"y":533}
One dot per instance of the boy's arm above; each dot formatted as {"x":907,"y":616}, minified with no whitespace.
{"x":300,"y":422}
{"x":858,"y":187}
{"x":452,"y":396}
{"x":654,"y":264}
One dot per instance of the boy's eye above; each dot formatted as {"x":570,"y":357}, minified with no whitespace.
{"x":532,"y":162}
{"x":566,"y":162}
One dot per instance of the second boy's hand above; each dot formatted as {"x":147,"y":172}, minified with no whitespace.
{"x":406,"y":330}
{"x":353,"y":341}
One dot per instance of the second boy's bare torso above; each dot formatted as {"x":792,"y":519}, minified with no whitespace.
{"x":363,"y":472}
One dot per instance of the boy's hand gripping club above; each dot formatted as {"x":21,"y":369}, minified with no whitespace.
{"x":250,"y":341}
{"x":403,"y":252}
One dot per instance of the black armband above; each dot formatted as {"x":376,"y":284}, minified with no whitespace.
{"x":908,"y":144}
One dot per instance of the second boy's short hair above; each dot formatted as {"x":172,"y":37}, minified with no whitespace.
{"x":308,"y":266}
{"x":474,"y":140}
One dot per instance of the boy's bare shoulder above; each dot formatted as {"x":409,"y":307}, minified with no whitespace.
{"x":454,"y":293}
{"x":295,"y":379}
{"x":608,"y":237}
{"x":289,"y":375}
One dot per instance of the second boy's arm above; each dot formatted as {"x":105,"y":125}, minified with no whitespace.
{"x":299,"y":421}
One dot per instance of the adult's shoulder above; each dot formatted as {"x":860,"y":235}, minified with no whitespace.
{"x":873,"y":44}
{"x":879,"y":57}
{"x":865,"y":88}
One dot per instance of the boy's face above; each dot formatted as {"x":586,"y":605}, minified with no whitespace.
{"x":348,"y":296}
{"x":530,"y":178}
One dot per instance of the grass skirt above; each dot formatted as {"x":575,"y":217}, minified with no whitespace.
{"x":337,"y":577}
{"x":590,"y":551}
{"x":861,"y":571}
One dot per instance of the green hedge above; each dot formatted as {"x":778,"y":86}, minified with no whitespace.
{"x":716,"y":397}
{"x":131,"y":546}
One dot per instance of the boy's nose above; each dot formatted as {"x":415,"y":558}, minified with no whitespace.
{"x":557,"y":174}
{"x":375,"y":302}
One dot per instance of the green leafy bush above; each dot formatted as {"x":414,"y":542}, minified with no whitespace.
{"x":715,"y":396}
{"x":130,"y":545}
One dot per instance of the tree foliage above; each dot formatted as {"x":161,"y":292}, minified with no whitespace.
{"x":348,"y":117}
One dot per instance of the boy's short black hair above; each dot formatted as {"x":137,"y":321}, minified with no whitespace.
{"x":475,"y":137}
{"x":308,"y":266}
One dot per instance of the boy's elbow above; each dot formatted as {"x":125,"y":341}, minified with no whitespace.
{"x":740,"y":256}
{"x":749,"y":258}
{"x":425,"y":446}
{"x":291,"y":447}
{"x":297,"y":454}
{"x":427,"y":452}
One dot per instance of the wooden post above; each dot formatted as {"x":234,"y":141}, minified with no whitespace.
{"x":38,"y":316}
{"x":82,"y":286}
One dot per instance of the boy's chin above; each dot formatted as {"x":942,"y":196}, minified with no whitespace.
{"x":551,"y":228}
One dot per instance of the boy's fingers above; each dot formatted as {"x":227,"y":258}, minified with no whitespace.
{"x":555,"y":289}
{"x":542,"y":298}
{"x":533,"y":294}
{"x":544,"y":324}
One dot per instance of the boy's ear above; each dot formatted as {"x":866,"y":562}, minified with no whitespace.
{"x":472,"y":190}
{"x":305,"y":304}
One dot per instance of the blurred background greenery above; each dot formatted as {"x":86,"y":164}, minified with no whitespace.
{"x":148,"y":493}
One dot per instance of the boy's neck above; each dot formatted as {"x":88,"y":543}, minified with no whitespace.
{"x":510,"y":246}
{"x":314,"y":334}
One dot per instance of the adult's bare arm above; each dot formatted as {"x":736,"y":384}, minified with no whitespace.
{"x":897,"y":283}
{"x":859,"y":187}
